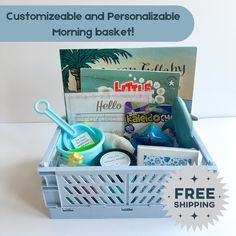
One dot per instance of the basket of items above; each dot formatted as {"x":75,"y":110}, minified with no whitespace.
{"x":116,"y":164}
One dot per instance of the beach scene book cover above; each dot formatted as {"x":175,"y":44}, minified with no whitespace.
{"x":170,"y":59}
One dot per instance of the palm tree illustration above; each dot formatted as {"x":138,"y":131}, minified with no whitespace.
{"x":73,"y":60}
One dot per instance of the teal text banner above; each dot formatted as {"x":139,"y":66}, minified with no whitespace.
{"x":95,"y":23}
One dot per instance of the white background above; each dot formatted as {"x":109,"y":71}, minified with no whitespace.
{"x":29,"y":71}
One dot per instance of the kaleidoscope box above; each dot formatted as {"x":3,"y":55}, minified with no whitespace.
{"x":164,"y":85}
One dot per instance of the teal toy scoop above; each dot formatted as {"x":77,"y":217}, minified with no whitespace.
{"x":181,"y":125}
{"x":70,"y":131}
{"x":46,"y":110}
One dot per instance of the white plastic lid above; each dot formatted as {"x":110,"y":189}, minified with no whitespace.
{"x":115,"y":158}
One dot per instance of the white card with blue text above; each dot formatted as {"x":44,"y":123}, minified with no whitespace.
{"x":166,"y":156}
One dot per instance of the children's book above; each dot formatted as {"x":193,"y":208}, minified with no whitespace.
{"x":163,"y":85}
{"x":172,"y":59}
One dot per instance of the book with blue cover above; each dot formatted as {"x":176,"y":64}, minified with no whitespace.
{"x":163,"y":85}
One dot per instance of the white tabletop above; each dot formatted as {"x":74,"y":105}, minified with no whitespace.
{"x":22,"y":209}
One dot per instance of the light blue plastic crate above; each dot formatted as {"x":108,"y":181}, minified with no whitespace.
{"x":102,"y":192}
